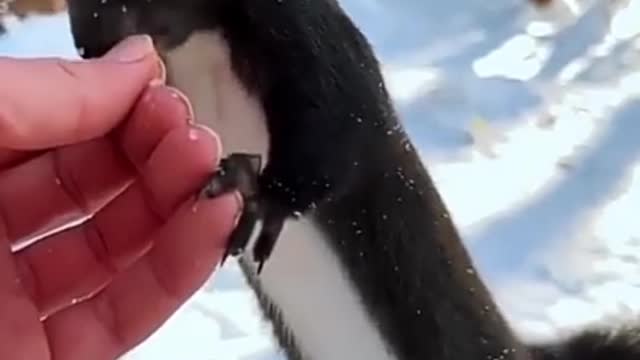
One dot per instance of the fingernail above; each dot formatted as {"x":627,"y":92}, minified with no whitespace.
{"x":131,"y":49}
{"x":182,"y":98}
{"x":213,"y":134}
{"x":162,"y":71}
{"x":161,"y":75}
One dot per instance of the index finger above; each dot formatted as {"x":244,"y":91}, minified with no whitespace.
{"x":51,"y":102}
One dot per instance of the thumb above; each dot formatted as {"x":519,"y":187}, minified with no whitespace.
{"x":130,"y":50}
{"x":50,"y":102}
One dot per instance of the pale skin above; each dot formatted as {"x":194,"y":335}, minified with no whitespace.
{"x":103,"y":137}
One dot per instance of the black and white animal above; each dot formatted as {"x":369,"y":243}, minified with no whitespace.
{"x":361,"y":260}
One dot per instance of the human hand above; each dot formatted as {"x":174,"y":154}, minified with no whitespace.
{"x":150,"y":244}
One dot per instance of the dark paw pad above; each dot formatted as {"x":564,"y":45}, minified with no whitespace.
{"x":236,"y":172}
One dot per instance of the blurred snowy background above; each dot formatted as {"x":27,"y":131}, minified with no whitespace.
{"x":529,"y":121}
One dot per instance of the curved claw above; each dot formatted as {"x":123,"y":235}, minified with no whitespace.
{"x":238,"y":172}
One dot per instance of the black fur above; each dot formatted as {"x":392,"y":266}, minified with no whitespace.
{"x":339,"y":153}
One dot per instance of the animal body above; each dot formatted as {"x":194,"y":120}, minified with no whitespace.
{"x":353,"y":255}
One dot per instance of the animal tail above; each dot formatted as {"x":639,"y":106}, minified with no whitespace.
{"x":619,"y":344}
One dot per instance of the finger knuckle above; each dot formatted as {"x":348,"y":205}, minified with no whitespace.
{"x":66,"y":179}
{"x":79,"y":101}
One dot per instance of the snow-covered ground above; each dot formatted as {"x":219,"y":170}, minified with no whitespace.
{"x":529,"y":123}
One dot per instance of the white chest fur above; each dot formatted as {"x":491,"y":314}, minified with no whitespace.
{"x":201,"y":68}
{"x":303,"y":277}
